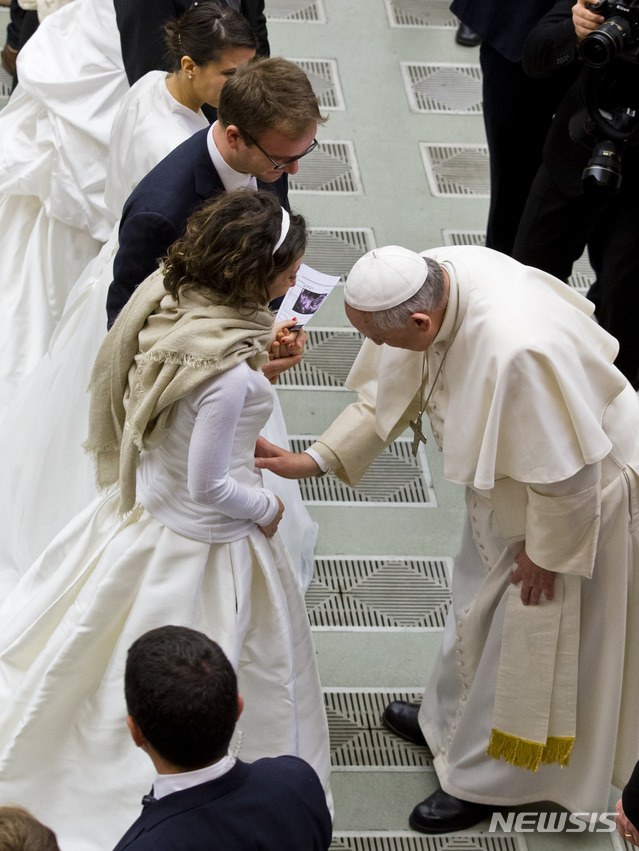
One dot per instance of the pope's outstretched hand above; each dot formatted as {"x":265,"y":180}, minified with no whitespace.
{"x":289,"y":465}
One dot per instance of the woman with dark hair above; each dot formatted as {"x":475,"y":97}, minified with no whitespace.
{"x":55,"y":208}
{"x":185,"y":533}
{"x":45,"y":423}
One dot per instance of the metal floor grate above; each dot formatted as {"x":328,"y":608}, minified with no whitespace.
{"x":293,"y":11}
{"x":324,"y":79}
{"x":394,"y":478}
{"x":443,"y":88}
{"x":331,"y":168}
{"x":456,"y":170}
{"x":409,"y":841}
{"x":335,"y":250}
{"x":359,"y":740}
{"x":464,"y":237}
{"x":328,"y":357}
{"x":582,"y":275}
{"x":420,"y":13}
{"x":383,"y":592}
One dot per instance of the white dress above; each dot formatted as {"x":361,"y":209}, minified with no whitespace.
{"x":46,"y":477}
{"x":55,"y":135}
{"x":65,"y":752}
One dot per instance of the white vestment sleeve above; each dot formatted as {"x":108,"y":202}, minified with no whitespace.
{"x":562,"y":522}
{"x":209,"y":480}
{"x":350,"y":444}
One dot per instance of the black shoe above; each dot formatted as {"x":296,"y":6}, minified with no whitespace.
{"x":401,"y":718}
{"x":466,"y":37}
{"x":442,"y":813}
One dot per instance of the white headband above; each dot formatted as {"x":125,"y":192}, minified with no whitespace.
{"x":286,"y":223}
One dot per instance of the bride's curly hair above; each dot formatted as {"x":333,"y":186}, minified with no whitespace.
{"x":226,"y":252}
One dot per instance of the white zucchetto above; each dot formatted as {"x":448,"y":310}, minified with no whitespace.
{"x":384,"y":278}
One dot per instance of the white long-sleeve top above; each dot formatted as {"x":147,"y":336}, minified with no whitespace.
{"x":201,"y":481}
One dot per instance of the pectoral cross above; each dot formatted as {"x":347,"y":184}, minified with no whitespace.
{"x":419,"y":436}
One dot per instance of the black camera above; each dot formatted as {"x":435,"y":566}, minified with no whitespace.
{"x":618,"y":35}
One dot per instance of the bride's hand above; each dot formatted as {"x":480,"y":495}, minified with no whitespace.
{"x":271,"y":528}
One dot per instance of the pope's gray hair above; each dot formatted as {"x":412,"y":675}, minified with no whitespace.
{"x":429,"y":297}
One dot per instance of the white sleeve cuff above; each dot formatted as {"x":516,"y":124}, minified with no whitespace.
{"x":321,"y":463}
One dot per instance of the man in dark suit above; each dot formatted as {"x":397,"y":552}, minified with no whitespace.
{"x":268,"y":118}
{"x":141,"y":25}
{"x":517,"y":110}
{"x":181,"y":694}
{"x":562,"y":215}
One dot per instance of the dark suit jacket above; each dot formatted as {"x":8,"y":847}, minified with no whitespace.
{"x":156,"y":212}
{"x":269,"y":805}
{"x":504,"y":24}
{"x":141,"y":25}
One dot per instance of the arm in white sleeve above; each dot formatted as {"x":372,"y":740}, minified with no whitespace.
{"x":562,"y":522}
{"x":219,"y":407}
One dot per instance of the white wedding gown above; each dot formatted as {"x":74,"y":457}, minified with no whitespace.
{"x":47,"y":479}
{"x":55,"y":136}
{"x":65,"y":752}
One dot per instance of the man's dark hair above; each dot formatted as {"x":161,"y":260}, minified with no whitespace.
{"x":182,"y":692}
{"x":269,"y":94}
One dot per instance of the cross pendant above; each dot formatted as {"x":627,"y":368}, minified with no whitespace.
{"x":419,"y":436}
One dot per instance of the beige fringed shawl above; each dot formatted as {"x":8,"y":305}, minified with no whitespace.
{"x":156,"y":353}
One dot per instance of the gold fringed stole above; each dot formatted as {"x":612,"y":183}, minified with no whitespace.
{"x":527,"y":754}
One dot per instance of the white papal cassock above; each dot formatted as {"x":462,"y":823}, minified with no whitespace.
{"x":541,"y":429}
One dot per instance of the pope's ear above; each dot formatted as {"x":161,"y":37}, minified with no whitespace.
{"x":422,"y":321}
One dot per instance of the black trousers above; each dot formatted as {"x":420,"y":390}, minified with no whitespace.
{"x":554,"y":231}
{"x":517,"y":114}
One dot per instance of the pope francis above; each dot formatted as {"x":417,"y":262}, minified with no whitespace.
{"x":535,"y":693}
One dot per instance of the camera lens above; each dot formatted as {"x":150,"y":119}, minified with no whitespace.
{"x":601,"y":46}
{"x":602,"y":175}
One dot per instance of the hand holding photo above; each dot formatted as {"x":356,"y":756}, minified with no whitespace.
{"x":304,"y":299}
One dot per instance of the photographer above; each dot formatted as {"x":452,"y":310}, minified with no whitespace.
{"x":563,"y":214}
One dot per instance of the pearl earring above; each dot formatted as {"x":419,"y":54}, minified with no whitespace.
{"x":190,"y":76}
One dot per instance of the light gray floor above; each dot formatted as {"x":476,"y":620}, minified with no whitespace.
{"x":385,"y":173}
{"x":419,"y":179}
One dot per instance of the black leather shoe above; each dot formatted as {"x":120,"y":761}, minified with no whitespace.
{"x":401,"y":718}
{"x":442,"y":813}
{"x":466,"y":37}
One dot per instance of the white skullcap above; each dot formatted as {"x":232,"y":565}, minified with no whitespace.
{"x":385,"y":277}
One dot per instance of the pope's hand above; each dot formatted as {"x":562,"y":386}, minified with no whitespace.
{"x":534,"y":580}
{"x":289,"y":465}
{"x":625,"y":827}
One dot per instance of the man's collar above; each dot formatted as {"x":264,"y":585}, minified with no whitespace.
{"x":166,"y":784}
{"x":230,"y":178}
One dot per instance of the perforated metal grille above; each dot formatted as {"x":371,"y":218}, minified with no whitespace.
{"x":405,"y":841}
{"x":6,"y":81}
{"x":379,"y":593}
{"x":464,"y":237}
{"x":443,"y":88}
{"x":582,"y":275}
{"x":332,"y":167}
{"x":324,"y":79}
{"x":420,"y":13}
{"x":291,"y":11}
{"x":394,"y":478}
{"x":358,"y":737}
{"x":456,"y":170}
{"x":335,"y":250}
{"x":328,"y":357}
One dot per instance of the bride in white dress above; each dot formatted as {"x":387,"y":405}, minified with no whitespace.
{"x":186,"y":534}
{"x":46,"y":477}
{"x":55,"y":135}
